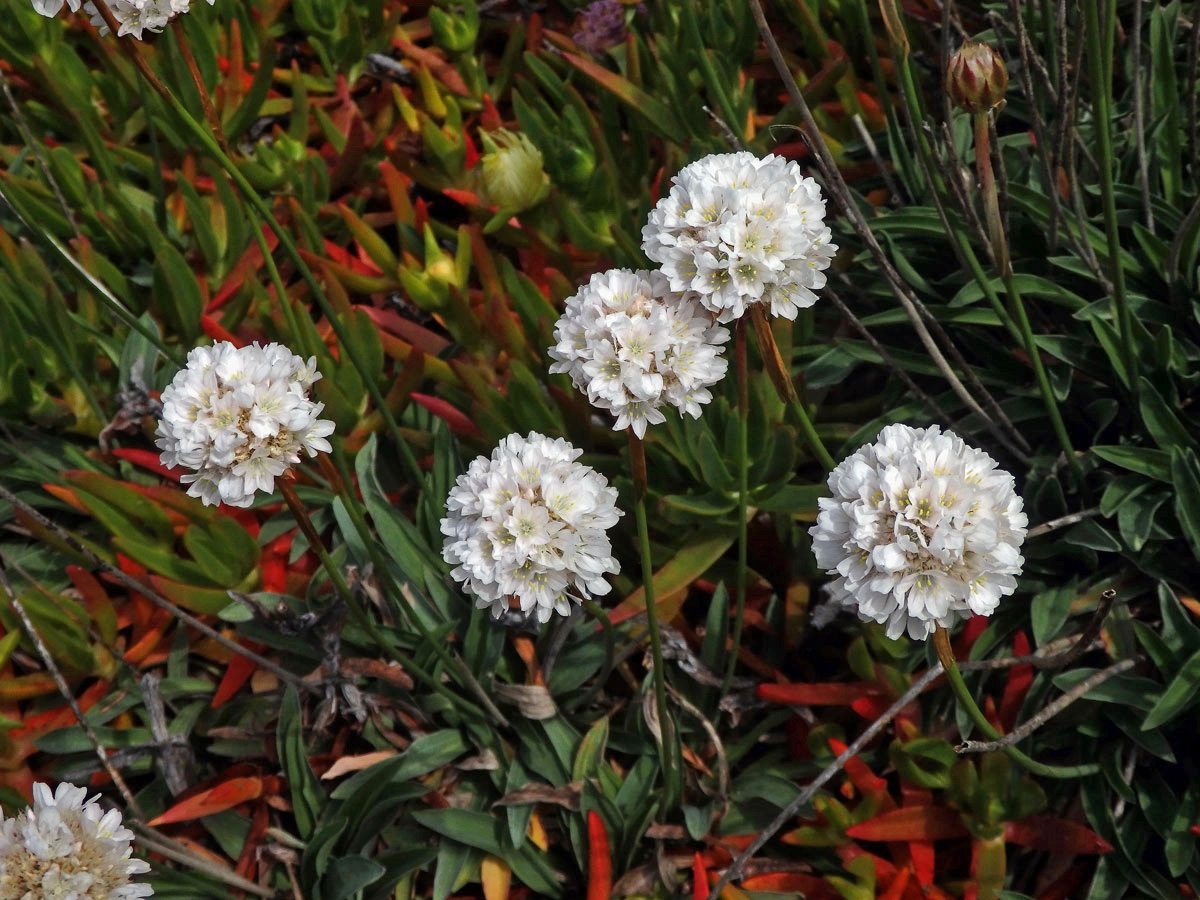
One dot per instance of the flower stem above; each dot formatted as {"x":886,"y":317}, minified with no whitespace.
{"x":637,"y":463}
{"x":353,"y":508}
{"x":743,"y":464}
{"x":1100,"y":75}
{"x":780,"y":377}
{"x":210,"y":111}
{"x":352,"y":603}
{"x":610,"y":644}
{"x":999,"y":239}
{"x":941,"y":643}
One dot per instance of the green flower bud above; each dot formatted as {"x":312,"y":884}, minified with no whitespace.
{"x":510,"y":172}
{"x":976,"y":78}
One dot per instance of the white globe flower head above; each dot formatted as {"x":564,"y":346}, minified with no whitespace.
{"x":239,"y":418}
{"x":633,"y":346}
{"x":65,"y":847}
{"x":134,"y":16}
{"x":531,"y":523}
{"x":921,"y":530}
{"x":740,"y":230}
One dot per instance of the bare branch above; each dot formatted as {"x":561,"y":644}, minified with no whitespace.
{"x":805,"y":796}
{"x":1025,"y":729}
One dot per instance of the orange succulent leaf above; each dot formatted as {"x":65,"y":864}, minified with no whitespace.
{"x":867,"y":782}
{"x":812,"y":887}
{"x":818,"y":693}
{"x":226,"y":795}
{"x":911,"y":823}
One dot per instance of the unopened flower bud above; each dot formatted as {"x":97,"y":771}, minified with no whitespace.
{"x":510,"y":172}
{"x":976,"y":78}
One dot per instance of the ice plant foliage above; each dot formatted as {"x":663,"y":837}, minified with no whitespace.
{"x":531,"y":523}
{"x":633,"y":345}
{"x":740,"y":230}
{"x":239,"y":418}
{"x":65,"y":847}
{"x":921,"y":530}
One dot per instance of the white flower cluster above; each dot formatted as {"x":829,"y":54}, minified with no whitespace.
{"x":134,"y":16}
{"x":65,"y":847}
{"x":921,"y":530}
{"x":531,"y":523}
{"x":632,"y":345}
{"x":740,"y":230}
{"x":239,"y":417}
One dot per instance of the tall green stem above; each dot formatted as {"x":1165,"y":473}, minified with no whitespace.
{"x":353,"y":508}
{"x":743,"y":464}
{"x":999,"y":239}
{"x":352,"y":603}
{"x":1100,"y":75}
{"x":941,"y":643}
{"x":637,"y":463}
{"x":782,"y":379}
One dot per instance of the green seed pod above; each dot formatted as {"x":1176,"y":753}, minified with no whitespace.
{"x":510,"y":172}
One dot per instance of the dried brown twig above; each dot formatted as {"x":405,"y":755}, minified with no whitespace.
{"x":837,"y":187}
{"x":736,"y":867}
{"x":1028,"y":727}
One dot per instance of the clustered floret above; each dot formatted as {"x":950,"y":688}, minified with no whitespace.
{"x":740,"y":230}
{"x":65,"y":847}
{"x":239,"y":418}
{"x":531,"y":522}
{"x":921,"y":530}
{"x":134,"y":16}
{"x":633,"y":345}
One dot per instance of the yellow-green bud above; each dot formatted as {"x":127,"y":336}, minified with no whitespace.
{"x":976,"y":78}
{"x":510,"y":171}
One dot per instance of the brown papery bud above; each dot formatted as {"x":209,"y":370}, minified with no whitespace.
{"x":976,"y":78}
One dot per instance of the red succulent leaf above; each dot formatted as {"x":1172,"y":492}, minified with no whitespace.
{"x":217,"y":799}
{"x":1053,"y":835}
{"x":911,"y":823}
{"x":818,"y":694}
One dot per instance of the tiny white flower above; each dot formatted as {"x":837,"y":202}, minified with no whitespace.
{"x":239,"y":418}
{"x":921,"y":530}
{"x":64,"y":847}
{"x":632,"y":345}
{"x":740,"y":230}
{"x":531,"y":523}
{"x":51,"y":8}
{"x":134,"y":16}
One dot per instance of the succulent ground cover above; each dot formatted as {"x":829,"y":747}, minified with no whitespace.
{"x":302,"y":697}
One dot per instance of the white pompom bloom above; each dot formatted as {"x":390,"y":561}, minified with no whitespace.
{"x":633,"y":345}
{"x":740,"y":230}
{"x":239,"y":418}
{"x":921,"y":530}
{"x":65,"y":847}
{"x":134,"y":16}
{"x":531,"y":523}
